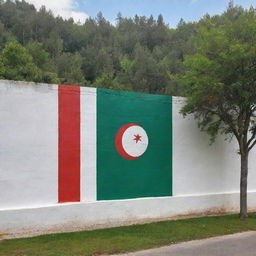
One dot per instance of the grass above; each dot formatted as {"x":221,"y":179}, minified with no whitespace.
{"x":125,"y":239}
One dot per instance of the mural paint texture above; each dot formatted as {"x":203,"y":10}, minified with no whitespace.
{"x":69,"y":143}
{"x":146,"y":167}
{"x":64,"y":143}
{"x":133,"y":148}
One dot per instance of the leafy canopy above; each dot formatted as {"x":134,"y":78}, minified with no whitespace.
{"x":135,"y":54}
{"x":220,"y":77}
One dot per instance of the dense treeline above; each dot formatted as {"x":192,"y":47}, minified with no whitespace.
{"x":139,"y":54}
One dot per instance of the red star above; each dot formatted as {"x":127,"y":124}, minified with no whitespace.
{"x":137,"y":138}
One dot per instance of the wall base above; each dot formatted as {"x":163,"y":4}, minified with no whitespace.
{"x":93,"y":215}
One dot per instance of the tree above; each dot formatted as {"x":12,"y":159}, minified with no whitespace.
{"x":40,"y":56}
{"x":147,"y":75}
{"x":104,"y":63}
{"x":126,"y":74}
{"x":18,"y":64}
{"x":42,"y":61}
{"x":29,"y":64}
{"x":70,"y":69}
{"x":54,"y":45}
{"x":60,"y":46}
{"x":160,"y":20}
{"x":220,"y":81}
{"x":107,"y":81}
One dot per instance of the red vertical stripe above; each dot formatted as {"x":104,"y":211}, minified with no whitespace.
{"x":69,"y":144}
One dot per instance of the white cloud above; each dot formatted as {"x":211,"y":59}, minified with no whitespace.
{"x":64,"y":8}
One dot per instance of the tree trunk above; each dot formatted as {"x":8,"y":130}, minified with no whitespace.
{"x":243,"y":185}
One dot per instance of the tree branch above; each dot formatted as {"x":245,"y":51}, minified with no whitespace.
{"x":252,"y":138}
{"x":253,"y":144}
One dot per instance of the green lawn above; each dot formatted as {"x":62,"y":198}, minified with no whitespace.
{"x":124,"y":239}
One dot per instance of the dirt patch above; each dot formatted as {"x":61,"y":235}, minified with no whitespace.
{"x":210,"y":212}
{"x":4,"y":235}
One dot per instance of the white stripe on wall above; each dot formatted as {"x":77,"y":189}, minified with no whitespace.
{"x":88,"y":143}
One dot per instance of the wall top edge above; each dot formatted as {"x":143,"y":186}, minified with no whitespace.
{"x":24,"y":84}
{"x":178,"y":100}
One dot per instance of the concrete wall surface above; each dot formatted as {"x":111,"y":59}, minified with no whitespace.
{"x":203,"y":178}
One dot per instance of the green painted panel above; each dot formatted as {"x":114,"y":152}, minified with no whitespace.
{"x":151,"y":174}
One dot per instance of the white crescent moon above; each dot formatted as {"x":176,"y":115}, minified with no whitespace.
{"x":131,"y":141}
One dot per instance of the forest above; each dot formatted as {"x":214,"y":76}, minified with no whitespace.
{"x":142,"y":54}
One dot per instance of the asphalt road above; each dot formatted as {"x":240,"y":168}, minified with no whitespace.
{"x":241,"y":244}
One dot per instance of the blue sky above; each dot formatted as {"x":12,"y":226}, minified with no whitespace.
{"x":172,"y":10}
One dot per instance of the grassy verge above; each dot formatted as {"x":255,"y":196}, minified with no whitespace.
{"x":124,"y":239}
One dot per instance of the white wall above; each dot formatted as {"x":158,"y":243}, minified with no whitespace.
{"x":205,"y":178}
{"x":78,"y":216}
{"x":201,"y":168}
{"x":28,"y":145}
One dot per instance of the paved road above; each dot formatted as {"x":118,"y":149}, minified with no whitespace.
{"x":242,"y":244}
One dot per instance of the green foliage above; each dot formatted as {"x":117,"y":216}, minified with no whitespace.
{"x":219,"y":77}
{"x":2,"y":69}
{"x":104,"y":63}
{"x":219,"y":81}
{"x":50,"y":78}
{"x":18,"y":64}
{"x":126,"y":74}
{"x":107,"y":81}
{"x":69,"y":69}
{"x":94,"y":52}
{"x":39,"y":55}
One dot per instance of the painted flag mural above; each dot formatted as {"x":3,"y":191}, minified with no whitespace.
{"x":134,"y":145}
{"x":132,"y":149}
{"x":68,"y":154}
{"x":69,"y":144}
{"x":80,"y":144}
